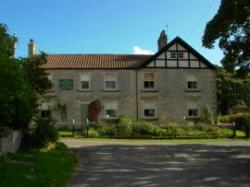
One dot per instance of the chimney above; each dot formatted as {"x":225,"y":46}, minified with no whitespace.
{"x":162,"y":41}
{"x":31,"y":48}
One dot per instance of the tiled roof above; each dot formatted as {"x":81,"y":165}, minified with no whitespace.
{"x":94,"y":61}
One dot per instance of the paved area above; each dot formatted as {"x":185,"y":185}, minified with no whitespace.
{"x":117,"y":164}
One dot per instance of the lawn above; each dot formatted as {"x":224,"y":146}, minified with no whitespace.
{"x":38,"y":168}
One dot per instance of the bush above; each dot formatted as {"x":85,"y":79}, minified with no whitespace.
{"x":169,"y":129}
{"x":234,"y":117}
{"x":93,"y":133}
{"x":129,"y":128}
{"x":143,"y":128}
{"x":107,"y":130}
{"x":124,"y":127}
{"x":44,"y":132}
{"x":242,"y":121}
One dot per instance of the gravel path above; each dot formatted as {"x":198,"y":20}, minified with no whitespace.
{"x":116,"y":164}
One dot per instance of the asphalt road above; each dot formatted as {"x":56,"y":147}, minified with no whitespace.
{"x":116,"y":164}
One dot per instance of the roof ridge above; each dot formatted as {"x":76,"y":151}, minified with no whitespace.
{"x":95,"y":54}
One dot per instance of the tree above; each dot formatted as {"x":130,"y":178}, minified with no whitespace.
{"x":231,"y":25}
{"x":37,"y":77}
{"x":21,"y":81}
{"x":7,"y":41}
{"x":231,"y":90}
{"x":16,"y":95}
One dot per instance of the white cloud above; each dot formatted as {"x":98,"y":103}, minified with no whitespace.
{"x":137,"y":50}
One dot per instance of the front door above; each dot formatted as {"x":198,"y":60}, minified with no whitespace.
{"x":84,"y":113}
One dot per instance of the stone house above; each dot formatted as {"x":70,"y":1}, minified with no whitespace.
{"x":171,"y":85}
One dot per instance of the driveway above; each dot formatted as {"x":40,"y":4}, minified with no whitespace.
{"x":116,"y":164}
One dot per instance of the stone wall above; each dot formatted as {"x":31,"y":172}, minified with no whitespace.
{"x":11,"y":142}
{"x":171,"y":94}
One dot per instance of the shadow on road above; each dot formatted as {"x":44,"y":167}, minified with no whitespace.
{"x":162,"y":165}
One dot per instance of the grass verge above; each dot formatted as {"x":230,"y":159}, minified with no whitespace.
{"x":41,"y":168}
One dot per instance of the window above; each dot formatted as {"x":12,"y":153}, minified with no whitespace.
{"x":50,"y":78}
{"x":66,"y":84}
{"x":173,"y":54}
{"x":110,"y":109}
{"x":85,"y":81}
{"x":45,"y":114}
{"x":110,"y":81}
{"x":149,"y":110}
{"x":192,"y":82}
{"x":149,"y":81}
{"x":45,"y":111}
{"x":193,"y":109}
{"x":180,"y":54}
{"x":192,"y":112}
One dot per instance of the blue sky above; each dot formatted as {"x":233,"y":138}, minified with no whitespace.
{"x":107,"y":26}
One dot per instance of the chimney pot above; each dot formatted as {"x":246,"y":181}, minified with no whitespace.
{"x":31,"y":48}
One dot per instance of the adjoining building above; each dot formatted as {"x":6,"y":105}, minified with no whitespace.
{"x":171,"y":85}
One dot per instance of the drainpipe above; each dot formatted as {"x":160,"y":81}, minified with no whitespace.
{"x":136,"y":93}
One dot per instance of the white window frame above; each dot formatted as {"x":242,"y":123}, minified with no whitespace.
{"x":85,"y":77}
{"x":192,"y":79}
{"x":180,"y":55}
{"x":149,"y":105}
{"x":148,"y":80}
{"x":50,"y":77}
{"x":193,"y":106}
{"x":112,"y":77}
{"x":46,"y":107}
{"x":173,"y":55}
{"x":110,"y":105}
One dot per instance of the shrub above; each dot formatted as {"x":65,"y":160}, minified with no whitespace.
{"x":124,"y":127}
{"x":44,"y":132}
{"x":234,"y":117}
{"x":107,"y":130}
{"x":208,"y":116}
{"x":126,"y":121}
{"x":143,"y":128}
{"x":169,"y":129}
{"x":93,"y":133}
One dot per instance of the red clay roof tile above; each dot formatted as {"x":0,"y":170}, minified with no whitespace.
{"x":94,"y":61}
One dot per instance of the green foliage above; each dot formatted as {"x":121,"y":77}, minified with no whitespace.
{"x":107,"y":130}
{"x":44,"y":132}
{"x":124,"y":127}
{"x":234,"y":117}
{"x":7,"y":42}
{"x":38,"y":168}
{"x":21,"y":81}
{"x":37,"y":77}
{"x":93,"y":133}
{"x":207,"y":115}
{"x":143,"y":128}
{"x":17,"y":98}
{"x":231,"y":90}
{"x":129,"y":128}
{"x":231,"y":26}
{"x":242,"y":121}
